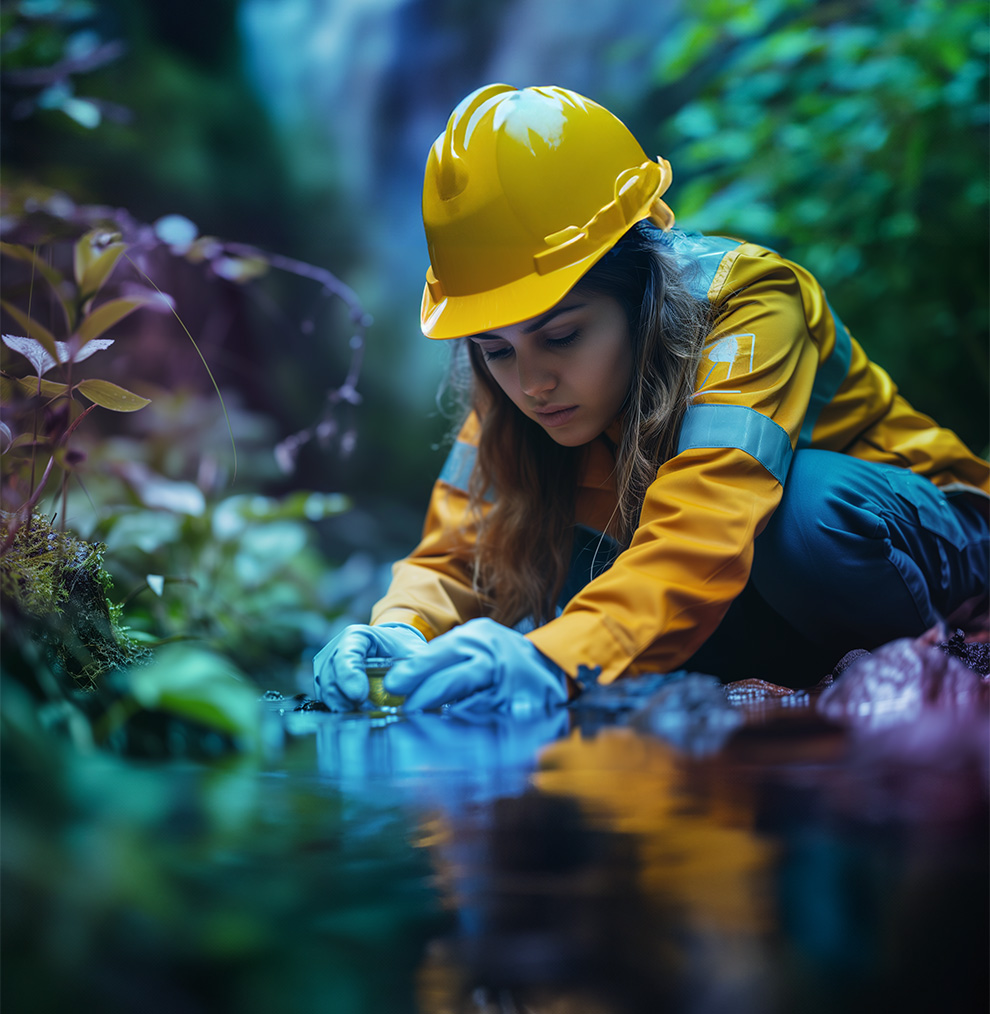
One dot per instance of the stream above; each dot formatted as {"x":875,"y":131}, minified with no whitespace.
{"x":666,"y":843}
{"x":675,"y":845}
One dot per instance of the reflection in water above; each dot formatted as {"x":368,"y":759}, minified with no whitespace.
{"x":627,"y":860}
{"x":606,"y":888}
{"x":699,"y":852}
{"x":433,"y":758}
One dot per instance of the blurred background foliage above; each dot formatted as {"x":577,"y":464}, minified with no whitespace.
{"x":853,"y":138}
{"x":260,"y":163}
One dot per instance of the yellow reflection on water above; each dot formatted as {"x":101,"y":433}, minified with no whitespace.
{"x":698,"y":850}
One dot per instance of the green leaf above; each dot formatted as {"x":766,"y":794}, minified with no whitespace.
{"x":159,"y":493}
{"x":22,"y":253}
{"x":684,"y":46}
{"x":33,"y":328}
{"x":105,"y":316}
{"x":47,"y":388}
{"x":85,"y":113}
{"x":96,"y":254}
{"x":143,"y":530}
{"x":201,"y":686}
{"x":25,"y":440}
{"x":107,"y":395}
{"x":232,"y":515}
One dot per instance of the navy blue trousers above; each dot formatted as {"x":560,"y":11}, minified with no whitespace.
{"x":856,"y":554}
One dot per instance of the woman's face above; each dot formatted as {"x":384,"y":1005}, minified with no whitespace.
{"x":568,"y":369}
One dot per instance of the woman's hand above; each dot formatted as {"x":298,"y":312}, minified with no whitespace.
{"x":339,"y":675}
{"x":479,"y":666}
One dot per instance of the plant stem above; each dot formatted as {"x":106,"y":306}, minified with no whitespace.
{"x":209,"y":372}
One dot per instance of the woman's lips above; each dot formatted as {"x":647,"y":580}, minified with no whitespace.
{"x":555,"y":416}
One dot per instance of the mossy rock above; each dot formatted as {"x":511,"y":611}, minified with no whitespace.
{"x":54,"y":589}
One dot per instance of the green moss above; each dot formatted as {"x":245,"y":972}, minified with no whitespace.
{"x":54,"y":586}
{"x":30,"y":567}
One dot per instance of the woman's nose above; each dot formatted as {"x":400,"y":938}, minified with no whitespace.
{"x":535,"y":376}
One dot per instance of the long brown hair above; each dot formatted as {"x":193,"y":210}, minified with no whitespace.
{"x":524,"y":536}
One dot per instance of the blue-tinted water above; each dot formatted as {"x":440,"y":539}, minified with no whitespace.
{"x":663,"y":846}
{"x":687,"y":858}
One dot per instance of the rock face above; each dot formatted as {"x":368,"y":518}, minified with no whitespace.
{"x":917,"y":718}
{"x":901,"y":682}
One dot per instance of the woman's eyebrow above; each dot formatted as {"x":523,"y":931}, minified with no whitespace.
{"x":545,"y":319}
{"x":540,"y":321}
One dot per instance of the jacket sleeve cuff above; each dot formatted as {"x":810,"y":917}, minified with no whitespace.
{"x":408,"y":617}
{"x":567,"y":641}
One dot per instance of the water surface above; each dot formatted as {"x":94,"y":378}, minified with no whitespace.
{"x":681,"y":849}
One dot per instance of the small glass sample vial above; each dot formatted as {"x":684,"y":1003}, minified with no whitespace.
{"x":377,"y":694}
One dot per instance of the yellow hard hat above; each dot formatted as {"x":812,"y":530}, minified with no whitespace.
{"x":524,"y":191}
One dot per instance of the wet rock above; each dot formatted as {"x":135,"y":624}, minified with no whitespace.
{"x":973,"y":654}
{"x":933,"y":770}
{"x":692,"y":714}
{"x":753,"y":691}
{"x":624,"y":695}
{"x":310,"y":704}
{"x":901,"y":681}
{"x":53,"y":592}
{"x":843,"y":664}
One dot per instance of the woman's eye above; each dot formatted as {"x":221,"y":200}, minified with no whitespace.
{"x":493,"y":354}
{"x":562,"y":343}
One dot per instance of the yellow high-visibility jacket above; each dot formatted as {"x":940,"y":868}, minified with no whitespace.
{"x":779,"y":372}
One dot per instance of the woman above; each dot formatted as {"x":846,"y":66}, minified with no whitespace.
{"x":676,"y":455}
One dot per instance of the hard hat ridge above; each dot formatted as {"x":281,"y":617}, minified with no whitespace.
{"x":523,"y":192}
{"x":449,"y":148}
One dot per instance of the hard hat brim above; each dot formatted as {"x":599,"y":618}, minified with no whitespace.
{"x":526,"y":297}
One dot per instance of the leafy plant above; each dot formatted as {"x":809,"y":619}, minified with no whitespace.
{"x":854,"y":138}
{"x":66,"y":645}
{"x":241,"y":576}
{"x":47,"y":413}
{"x":240,"y":573}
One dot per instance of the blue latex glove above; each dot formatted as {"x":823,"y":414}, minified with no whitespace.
{"x":339,"y":676}
{"x":479,"y":666}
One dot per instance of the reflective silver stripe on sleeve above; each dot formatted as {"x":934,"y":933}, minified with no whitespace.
{"x":828,"y":380}
{"x":457,"y":468}
{"x":698,"y":256}
{"x":740,"y":427}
